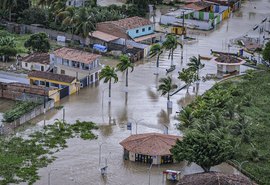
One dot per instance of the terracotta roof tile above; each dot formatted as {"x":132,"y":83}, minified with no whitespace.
{"x":214,"y":178}
{"x":76,"y":55}
{"x":200,"y":5}
{"x":42,"y":58}
{"x":51,"y":76}
{"x":150,"y":143}
{"x":131,"y":22}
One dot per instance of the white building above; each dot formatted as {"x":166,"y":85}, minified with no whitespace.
{"x":36,"y":62}
{"x":75,"y":3}
{"x":83,"y":65}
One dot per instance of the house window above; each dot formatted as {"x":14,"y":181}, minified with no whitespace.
{"x":62,"y":72}
{"x":42,"y":68}
{"x":137,"y":31}
{"x":149,"y":28}
{"x":26,"y":64}
{"x":143,"y":29}
{"x":41,"y":83}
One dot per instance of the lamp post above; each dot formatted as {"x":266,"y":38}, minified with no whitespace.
{"x":49,"y":175}
{"x":99,"y":158}
{"x":136,"y":122}
{"x":240,"y":164}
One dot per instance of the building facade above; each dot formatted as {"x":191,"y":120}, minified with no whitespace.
{"x":67,"y":85}
{"x":36,"y":62}
{"x":82,"y":65}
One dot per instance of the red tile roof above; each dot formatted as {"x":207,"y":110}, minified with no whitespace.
{"x":150,"y":144}
{"x":214,"y":178}
{"x":76,"y":55}
{"x":200,"y":5}
{"x":51,"y":76}
{"x":131,"y":22}
{"x":42,"y":58}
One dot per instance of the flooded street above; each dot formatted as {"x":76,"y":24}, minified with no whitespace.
{"x":79,"y":163}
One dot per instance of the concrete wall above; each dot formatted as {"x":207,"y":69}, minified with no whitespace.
{"x":34,"y":66}
{"x":141,"y":31}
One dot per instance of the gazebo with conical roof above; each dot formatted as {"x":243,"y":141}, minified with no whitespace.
{"x":149,"y":147}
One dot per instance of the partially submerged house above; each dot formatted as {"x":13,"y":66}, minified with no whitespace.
{"x":82,"y":65}
{"x":67,"y":85}
{"x":36,"y":62}
{"x":198,"y":15}
{"x":133,"y":32}
{"x":149,"y":148}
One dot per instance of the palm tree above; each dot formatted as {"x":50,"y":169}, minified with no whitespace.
{"x":166,"y":87}
{"x":85,"y":22}
{"x":171,"y":44}
{"x":69,"y":18}
{"x":109,"y":74}
{"x":124,"y":64}
{"x":8,"y":5}
{"x":196,"y":65}
{"x":156,"y":50}
{"x":187,"y":76}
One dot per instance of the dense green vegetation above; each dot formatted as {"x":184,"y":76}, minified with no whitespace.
{"x":236,"y":111}
{"x":21,"y":158}
{"x":19,"y":109}
{"x":204,"y":149}
{"x":18,"y":40}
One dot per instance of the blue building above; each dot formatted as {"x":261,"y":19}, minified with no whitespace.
{"x":132,"y":28}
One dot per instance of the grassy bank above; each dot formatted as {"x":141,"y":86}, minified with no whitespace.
{"x":21,"y":158}
{"x":239,"y":110}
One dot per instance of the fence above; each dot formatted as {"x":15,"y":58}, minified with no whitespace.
{"x":9,"y":127}
{"x":23,"y":28}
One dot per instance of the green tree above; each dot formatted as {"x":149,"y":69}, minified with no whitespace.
{"x":266,"y":52}
{"x":85,"y":22}
{"x":34,"y":15}
{"x":187,"y":76}
{"x":124,"y":65}
{"x":166,"y":86}
{"x":108,"y":74}
{"x":204,"y":149}
{"x":38,"y":42}
{"x":171,"y":44}
{"x":8,"y":5}
{"x":156,"y":50}
{"x":196,"y":65}
{"x":7,"y":47}
{"x":186,"y":118}
{"x":69,"y":18}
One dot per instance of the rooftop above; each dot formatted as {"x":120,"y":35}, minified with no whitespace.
{"x":200,"y":5}
{"x":214,"y":178}
{"x":228,"y":59}
{"x":150,"y":143}
{"x":51,"y":76}
{"x":42,"y":58}
{"x":103,"y":36}
{"x":76,"y":55}
{"x":131,"y":22}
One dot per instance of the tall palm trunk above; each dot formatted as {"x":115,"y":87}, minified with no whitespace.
{"x":126,"y":77}
{"x":168,"y":97}
{"x":9,"y":14}
{"x":158,"y":60}
{"x":110,"y":86}
{"x":172,"y":57}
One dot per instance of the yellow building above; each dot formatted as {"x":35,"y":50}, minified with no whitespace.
{"x":66,"y":85}
{"x":178,"y":30}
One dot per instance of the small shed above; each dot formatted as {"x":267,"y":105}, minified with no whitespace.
{"x":149,"y":147}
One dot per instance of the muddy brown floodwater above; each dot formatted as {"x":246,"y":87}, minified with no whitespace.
{"x":79,"y":163}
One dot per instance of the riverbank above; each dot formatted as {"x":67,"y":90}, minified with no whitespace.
{"x":237,"y":110}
